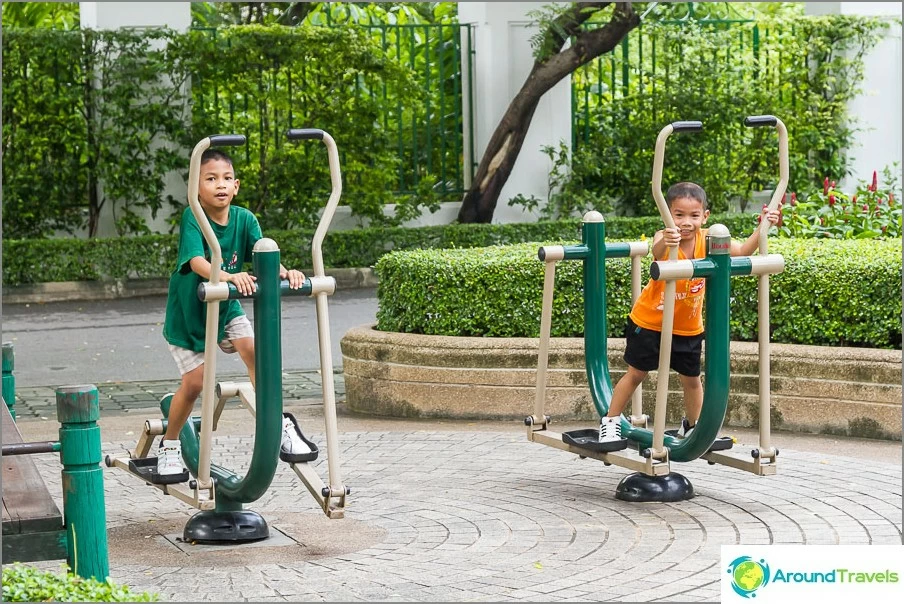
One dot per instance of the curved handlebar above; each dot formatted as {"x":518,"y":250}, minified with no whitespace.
{"x":755,"y":121}
{"x":693,"y":126}
{"x":296,"y":134}
{"x":658,"y":159}
{"x":227,"y":140}
{"x":336,"y":180}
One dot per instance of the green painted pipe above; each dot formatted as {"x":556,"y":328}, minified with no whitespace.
{"x":83,"y":482}
{"x":232,"y":490}
{"x":9,"y":380}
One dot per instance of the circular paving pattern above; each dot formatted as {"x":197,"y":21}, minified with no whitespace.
{"x":453,"y":516}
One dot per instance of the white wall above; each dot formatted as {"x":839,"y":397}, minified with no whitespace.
{"x":877,"y":111}
{"x":115,"y":15}
{"x":503,"y":61}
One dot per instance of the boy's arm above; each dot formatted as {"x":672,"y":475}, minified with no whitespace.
{"x":662,"y":240}
{"x":243,"y":282}
{"x":296,"y":278}
{"x":752,"y":243}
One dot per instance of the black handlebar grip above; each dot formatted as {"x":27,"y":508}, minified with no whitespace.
{"x":227,"y":140}
{"x":300,"y":134}
{"x":755,"y":121}
{"x":687,"y":126}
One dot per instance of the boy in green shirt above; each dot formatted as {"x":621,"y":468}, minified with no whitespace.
{"x":237,"y":230}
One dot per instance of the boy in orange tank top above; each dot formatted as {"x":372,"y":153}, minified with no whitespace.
{"x":688,"y":207}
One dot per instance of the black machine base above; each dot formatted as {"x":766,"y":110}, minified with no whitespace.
{"x":147,"y":469}
{"x":589,"y":439}
{"x":723,"y":443}
{"x":212,"y":526}
{"x":299,"y":457}
{"x":642,"y":487}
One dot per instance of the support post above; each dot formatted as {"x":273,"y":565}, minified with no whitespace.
{"x":83,"y":481}
{"x":9,"y":380}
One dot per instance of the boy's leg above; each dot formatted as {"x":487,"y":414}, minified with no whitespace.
{"x":245,"y":348}
{"x":693,"y":397}
{"x":624,"y":389}
{"x":183,"y":402}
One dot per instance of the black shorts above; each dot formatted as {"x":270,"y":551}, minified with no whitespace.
{"x":642,"y":350}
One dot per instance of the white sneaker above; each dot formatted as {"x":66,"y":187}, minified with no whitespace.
{"x":291,"y":441}
{"x":169,"y":458}
{"x":610,"y":429}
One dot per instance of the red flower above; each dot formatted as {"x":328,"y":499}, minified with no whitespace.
{"x":832,"y":185}
{"x":831,"y":200}
{"x":891,"y":199}
{"x":865,"y":208}
{"x":854,"y":199}
{"x":825,"y":186}
{"x":875,"y":181}
{"x":793,"y":199}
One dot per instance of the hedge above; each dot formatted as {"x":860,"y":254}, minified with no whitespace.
{"x":834,"y":293}
{"x":154,"y":256}
{"x":22,"y":583}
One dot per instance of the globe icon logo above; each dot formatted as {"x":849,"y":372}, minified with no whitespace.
{"x":748,"y":575}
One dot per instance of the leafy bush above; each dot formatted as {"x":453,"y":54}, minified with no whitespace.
{"x":869,"y":213}
{"x":834,"y":293}
{"x":802,"y":69}
{"x":23,"y":583}
{"x":154,"y":256}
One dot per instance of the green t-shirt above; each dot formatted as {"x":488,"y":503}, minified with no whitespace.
{"x":186,"y":315}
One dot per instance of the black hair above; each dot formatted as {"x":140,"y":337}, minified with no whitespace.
{"x":215,"y":155}
{"x":686,"y":189}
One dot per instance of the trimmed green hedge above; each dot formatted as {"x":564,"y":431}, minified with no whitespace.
{"x":835,"y":293}
{"x":153,"y":256}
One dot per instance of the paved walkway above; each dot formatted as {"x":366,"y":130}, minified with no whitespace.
{"x":451,"y":511}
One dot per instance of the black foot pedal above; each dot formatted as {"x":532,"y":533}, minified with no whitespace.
{"x":299,"y":457}
{"x":147,"y":469}
{"x":589,"y":439}
{"x":723,"y":443}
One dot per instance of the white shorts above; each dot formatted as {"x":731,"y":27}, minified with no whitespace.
{"x":187,"y":360}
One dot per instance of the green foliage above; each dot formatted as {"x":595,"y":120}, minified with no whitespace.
{"x":85,"y":107}
{"x":834,"y":293}
{"x":23,"y":583}
{"x":870,"y":213}
{"x":49,"y":15}
{"x":154,"y":256}
{"x":802,"y":69}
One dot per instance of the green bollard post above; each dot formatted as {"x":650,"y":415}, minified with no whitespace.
{"x":9,"y":380}
{"x":83,"y":481}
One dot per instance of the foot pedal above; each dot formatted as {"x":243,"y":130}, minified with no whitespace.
{"x":723,"y":443}
{"x":589,"y":439}
{"x":147,"y":469}
{"x":299,"y":457}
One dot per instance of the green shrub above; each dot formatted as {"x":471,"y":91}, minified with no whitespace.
{"x":23,"y":583}
{"x":153,"y":256}
{"x":834,"y":293}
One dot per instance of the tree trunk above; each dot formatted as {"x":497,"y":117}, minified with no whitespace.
{"x":502,"y":151}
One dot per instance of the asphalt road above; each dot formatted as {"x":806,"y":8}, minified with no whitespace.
{"x":121,"y":340}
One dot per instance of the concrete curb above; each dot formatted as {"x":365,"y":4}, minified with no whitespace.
{"x":815,"y":389}
{"x":67,"y":291}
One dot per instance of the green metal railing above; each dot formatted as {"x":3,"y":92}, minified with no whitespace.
{"x":636,"y":67}
{"x":429,"y":140}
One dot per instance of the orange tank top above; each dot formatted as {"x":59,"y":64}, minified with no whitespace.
{"x":647,"y":311}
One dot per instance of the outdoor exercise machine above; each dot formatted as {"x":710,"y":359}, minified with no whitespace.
{"x":33,"y":528}
{"x":653,"y":479}
{"x":218,"y":492}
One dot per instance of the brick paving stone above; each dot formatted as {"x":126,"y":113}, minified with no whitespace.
{"x":479,"y":516}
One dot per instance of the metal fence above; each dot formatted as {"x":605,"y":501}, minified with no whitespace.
{"x":434,"y":140}
{"x":636,"y":66}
